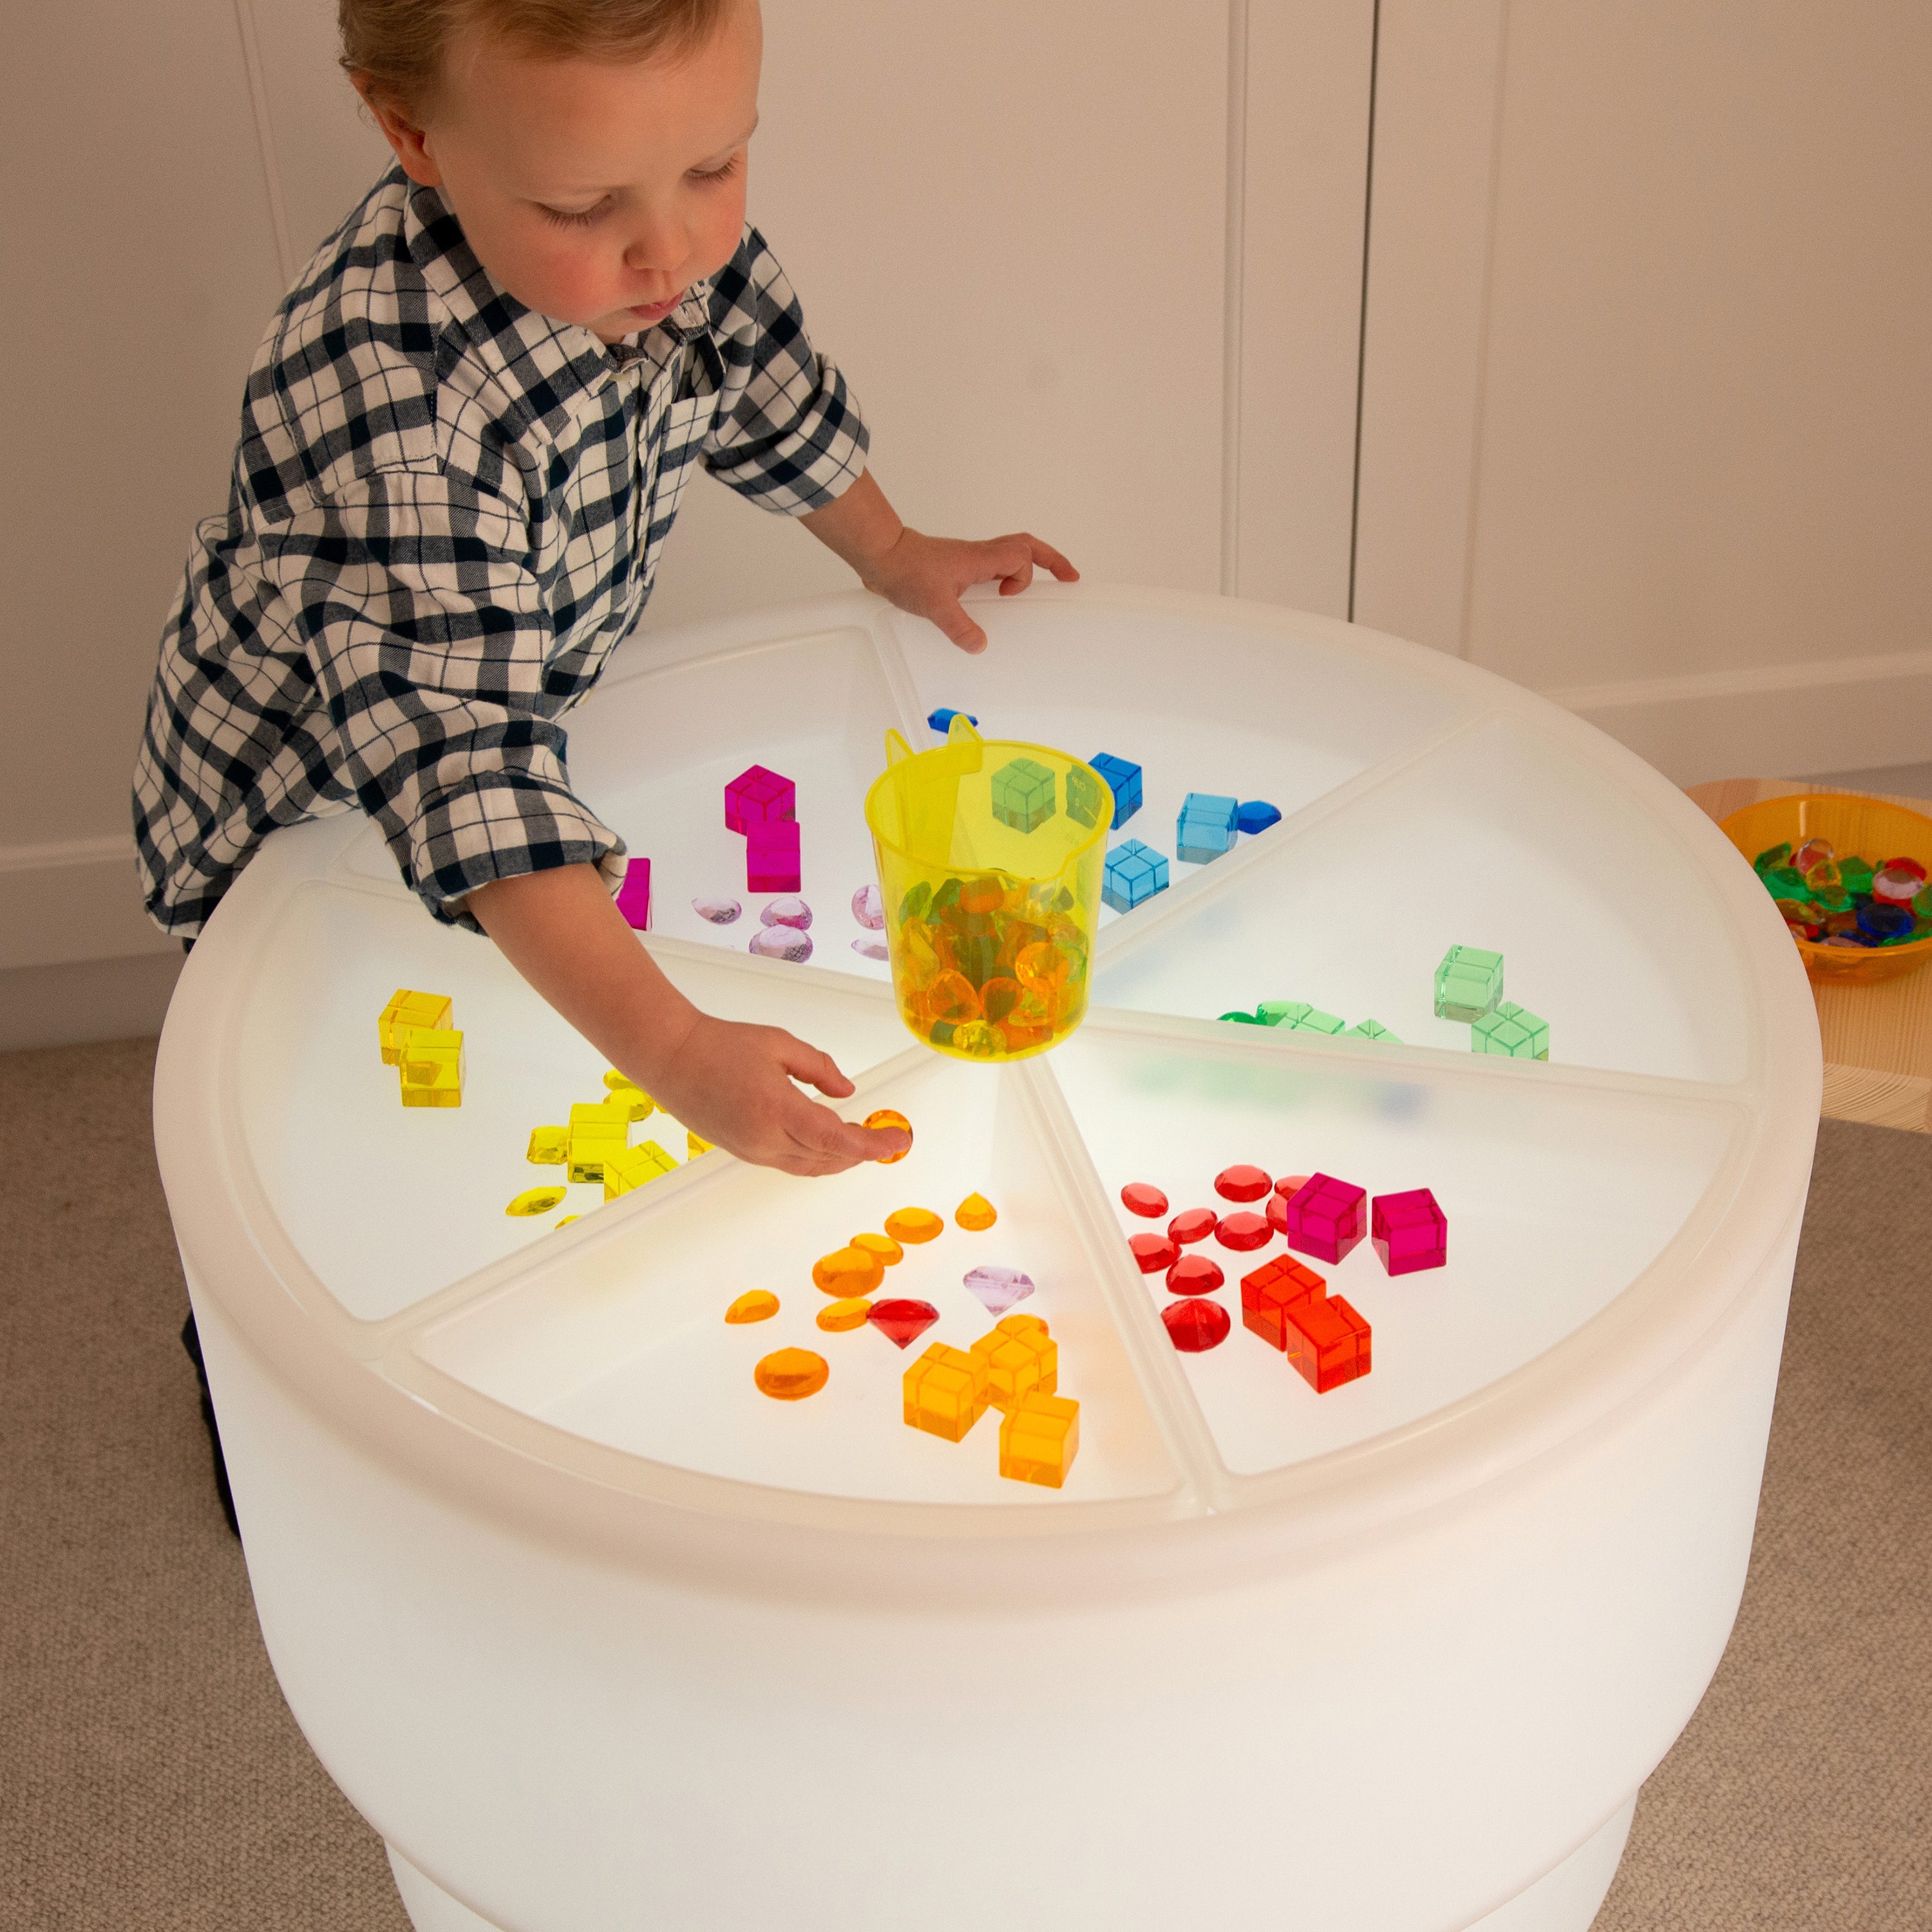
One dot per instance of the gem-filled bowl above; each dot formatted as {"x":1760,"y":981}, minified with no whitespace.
{"x":1871,"y":828}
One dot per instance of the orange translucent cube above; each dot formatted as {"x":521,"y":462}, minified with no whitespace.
{"x":946,"y":1392}
{"x":1021,"y":1359}
{"x":1328,"y":1342}
{"x":1271,"y":1291}
{"x":1039,"y":1439}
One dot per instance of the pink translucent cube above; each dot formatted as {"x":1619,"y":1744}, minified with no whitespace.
{"x":633,"y":896}
{"x":756,"y":796}
{"x":771,"y":856}
{"x":1325,"y":1217}
{"x":1409,"y":1232}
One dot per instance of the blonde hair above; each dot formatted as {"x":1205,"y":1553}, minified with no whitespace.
{"x":399,"y":44}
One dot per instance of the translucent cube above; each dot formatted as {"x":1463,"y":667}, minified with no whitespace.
{"x":1135,"y":872}
{"x":1469,"y":983}
{"x":1513,"y":1031}
{"x":1023,"y":795}
{"x":1123,"y":780}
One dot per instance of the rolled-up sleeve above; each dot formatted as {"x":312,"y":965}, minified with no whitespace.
{"x":415,"y":601}
{"x":788,"y":434}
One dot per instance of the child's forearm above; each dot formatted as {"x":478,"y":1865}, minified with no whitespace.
{"x":860,"y":527}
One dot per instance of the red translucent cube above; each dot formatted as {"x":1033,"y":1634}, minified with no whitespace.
{"x":1327,"y":1341}
{"x":1409,"y":1232}
{"x":771,"y":856}
{"x":1326,"y":1217}
{"x":1271,"y":1291}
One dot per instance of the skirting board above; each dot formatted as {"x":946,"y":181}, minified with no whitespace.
{"x":80,"y":899}
{"x":1843,"y":716}
{"x":87,"y":1000}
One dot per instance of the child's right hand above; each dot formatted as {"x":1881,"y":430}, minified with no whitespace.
{"x":733,"y":1084}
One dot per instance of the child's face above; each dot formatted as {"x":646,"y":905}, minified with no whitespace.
{"x":595,"y":193}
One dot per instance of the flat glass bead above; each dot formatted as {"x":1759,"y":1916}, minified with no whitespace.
{"x":1772,"y":855}
{"x":1195,"y":1326}
{"x":1880,"y":921}
{"x":550,"y":1147}
{"x":755,"y":1304}
{"x":718,"y":911}
{"x":868,"y":908}
{"x":977,"y":1038}
{"x":884,"y":1116}
{"x":847,"y":1271}
{"x":535,"y":1200}
{"x":997,"y":1289}
{"x":1241,"y":1183}
{"x":914,"y":1225}
{"x":1195,"y":1274}
{"x":1139,"y":1197}
{"x":890,"y":1252}
{"x":1153,"y":1252}
{"x":792,"y":912}
{"x":976,"y":1214}
{"x":1193,"y":1224}
{"x":872,"y":947}
{"x":1906,"y":864}
{"x":1813,"y":852}
{"x":782,"y":942}
{"x":1895,"y":886}
{"x":835,"y":1318}
{"x":1243,"y":1231}
{"x":902,"y":1321}
{"x":1287,"y":1185}
{"x":791,"y":1375}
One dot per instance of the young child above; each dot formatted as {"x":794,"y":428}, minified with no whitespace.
{"x":464,"y":441}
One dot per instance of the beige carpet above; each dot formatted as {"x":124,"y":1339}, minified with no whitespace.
{"x":150,"y":1778}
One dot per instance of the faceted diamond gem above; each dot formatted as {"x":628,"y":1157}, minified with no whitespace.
{"x":1409,"y":1232}
{"x":755,"y":1304}
{"x":913,"y":1225}
{"x":535,"y":1200}
{"x":1244,"y":1231}
{"x":1194,"y":1274}
{"x":718,"y":911}
{"x":997,"y":1289}
{"x":847,"y":1271}
{"x":884,"y":1116}
{"x":871,"y":947}
{"x":1195,"y":1326}
{"x":976,"y":1214}
{"x":902,"y":1321}
{"x":1241,"y":1183}
{"x":1139,"y":1197}
{"x":782,"y":942}
{"x":835,"y":1318}
{"x":1153,"y":1253}
{"x":791,"y":1374}
{"x":1193,"y":1224}
{"x":793,"y":912}
{"x":868,"y":908}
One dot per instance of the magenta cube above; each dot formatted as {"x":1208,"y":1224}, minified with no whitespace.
{"x":756,"y":796}
{"x":1409,"y":1232}
{"x":1325,"y":1217}
{"x":633,"y":896}
{"x":771,"y":856}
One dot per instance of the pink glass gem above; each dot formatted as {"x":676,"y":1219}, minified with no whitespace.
{"x":1193,"y":1224}
{"x":1195,"y":1326}
{"x":869,"y":909}
{"x":1409,"y":1232}
{"x":1243,"y":1231}
{"x":787,"y":912}
{"x":1153,"y":1252}
{"x":1194,"y":1274}
{"x":771,"y":856}
{"x":633,"y":896}
{"x":782,"y":942}
{"x":1892,"y":885}
{"x":1241,"y":1183}
{"x":1139,"y":1197}
{"x":996,"y":1289}
{"x":1326,"y":1217}
{"x":902,"y":1321}
{"x":870,"y":947}
{"x":756,"y":796}
{"x":718,"y":911}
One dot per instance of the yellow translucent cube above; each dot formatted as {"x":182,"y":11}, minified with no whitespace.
{"x":406,"y":1011}
{"x":430,"y":1063}
{"x":597,"y":1129}
{"x":1038,"y":1439}
{"x":946,"y":1392}
{"x":1021,"y":1359}
{"x":629,"y":1168}
{"x":695,"y":1144}
{"x":550,"y":1147}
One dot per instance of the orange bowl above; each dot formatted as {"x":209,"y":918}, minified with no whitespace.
{"x":1868,"y":827}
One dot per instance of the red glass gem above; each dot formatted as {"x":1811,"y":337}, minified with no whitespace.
{"x":1195,"y":1274}
{"x":1195,"y":1326}
{"x":1277,"y":1212}
{"x":1243,"y":1231}
{"x":1286,"y":1185}
{"x":1905,"y":864}
{"x":901,"y":1321}
{"x":1153,"y":1251}
{"x":1241,"y":1183}
{"x":1138,"y":1198}
{"x":1193,"y":1224}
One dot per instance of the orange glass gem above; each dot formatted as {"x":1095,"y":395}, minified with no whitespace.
{"x":914,"y":1225}
{"x":976,"y":1214}
{"x":755,"y":1304}
{"x":836,"y":1317}
{"x":847,"y":1271}
{"x":950,"y":998}
{"x":790,"y":1374}
{"x":884,"y":1116}
{"x":1041,"y":968}
{"x":998,"y":997}
{"x":890,"y":1252}
{"x":981,"y":895}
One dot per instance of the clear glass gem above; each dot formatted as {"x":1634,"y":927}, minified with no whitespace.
{"x":869,"y":947}
{"x":719,"y":912}
{"x":997,"y":1289}
{"x":792,"y":912}
{"x":782,"y":942}
{"x":869,"y":909}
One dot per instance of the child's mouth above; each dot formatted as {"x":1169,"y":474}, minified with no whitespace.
{"x":656,"y":311}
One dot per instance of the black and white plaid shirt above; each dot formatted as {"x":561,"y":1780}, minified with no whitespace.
{"x":446,"y":511}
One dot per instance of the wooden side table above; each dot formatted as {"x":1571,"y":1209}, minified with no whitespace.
{"x":1878,"y":1039}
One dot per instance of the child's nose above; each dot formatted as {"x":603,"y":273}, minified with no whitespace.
{"x":657,"y":244}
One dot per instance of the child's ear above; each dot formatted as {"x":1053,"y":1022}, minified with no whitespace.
{"x":410,"y":142}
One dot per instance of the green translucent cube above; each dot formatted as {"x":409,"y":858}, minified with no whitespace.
{"x":1374,"y":1029}
{"x":1511,"y":1031}
{"x":1316,"y":1021}
{"x":1023,"y":794}
{"x":1083,"y":795}
{"x":1280,"y":1013}
{"x":1469,"y":983}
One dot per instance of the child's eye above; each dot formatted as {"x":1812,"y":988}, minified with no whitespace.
{"x":581,"y":219}
{"x":724,"y":173}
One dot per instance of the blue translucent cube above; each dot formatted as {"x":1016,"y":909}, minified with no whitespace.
{"x":1206,"y":827}
{"x":941,"y":720}
{"x":1023,"y":794}
{"x":1256,"y":814}
{"x":1135,"y":872}
{"x":1123,"y":780}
